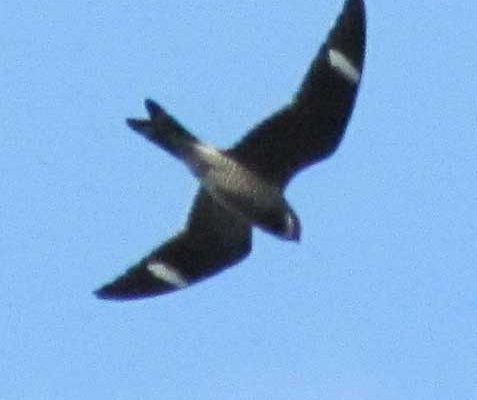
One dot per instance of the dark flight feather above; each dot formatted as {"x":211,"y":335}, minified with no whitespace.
{"x":312,"y":126}
{"x":212,"y":239}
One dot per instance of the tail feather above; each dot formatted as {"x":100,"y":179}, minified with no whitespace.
{"x":163,"y":130}
{"x":142,"y":126}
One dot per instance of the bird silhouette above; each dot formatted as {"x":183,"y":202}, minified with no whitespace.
{"x":242,"y":187}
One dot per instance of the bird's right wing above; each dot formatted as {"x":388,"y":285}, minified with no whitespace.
{"x":310,"y":128}
{"x":212,"y":240}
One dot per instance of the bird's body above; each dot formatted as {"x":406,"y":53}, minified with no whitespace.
{"x":251,"y":198}
{"x":242,"y":187}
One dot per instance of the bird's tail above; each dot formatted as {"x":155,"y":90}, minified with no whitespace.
{"x":164,"y":130}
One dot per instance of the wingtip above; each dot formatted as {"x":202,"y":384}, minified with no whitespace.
{"x":358,"y":8}
{"x":105,"y":293}
{"x":110,"y":293}
{"x":354,"y":3}
{"x":135,"y":283}
{"x":347,"y":40}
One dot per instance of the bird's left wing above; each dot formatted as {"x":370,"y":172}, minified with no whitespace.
{"x":212,"y":240}
{"x":312,"y":125}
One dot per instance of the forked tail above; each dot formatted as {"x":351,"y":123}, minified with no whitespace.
{"x":164,"y":130}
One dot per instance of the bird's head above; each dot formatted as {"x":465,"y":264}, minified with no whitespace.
{"x":291,"y":226}
{"x":283,"y":223}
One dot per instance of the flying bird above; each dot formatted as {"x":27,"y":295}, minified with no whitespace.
{"x":243,"y":187}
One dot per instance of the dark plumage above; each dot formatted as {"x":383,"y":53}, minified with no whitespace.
{"x":243,"y":186}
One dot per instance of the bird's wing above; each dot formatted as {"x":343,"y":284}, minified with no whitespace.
{"x":212,"y":240}
{"x":312,"y":125}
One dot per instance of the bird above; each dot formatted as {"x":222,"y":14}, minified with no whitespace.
{"x":242,"y":187}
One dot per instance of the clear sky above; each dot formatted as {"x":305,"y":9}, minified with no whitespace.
{"x":379,"y":299}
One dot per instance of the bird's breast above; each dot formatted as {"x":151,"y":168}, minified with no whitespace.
{"x":244,"y":193}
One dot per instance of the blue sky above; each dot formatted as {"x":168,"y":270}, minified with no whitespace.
{"x":378,"y":301}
